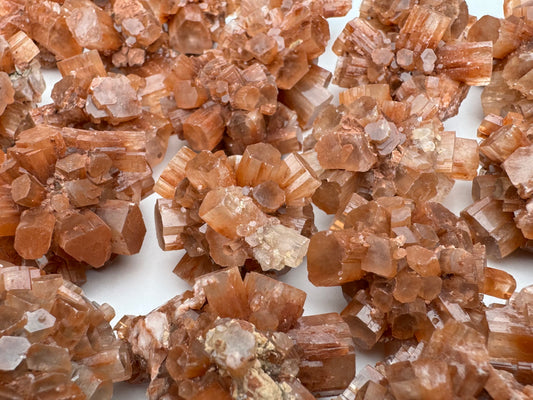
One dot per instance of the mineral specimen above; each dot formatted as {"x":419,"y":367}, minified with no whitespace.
{"x":21,"y":83}
{"x":71,"y":197}
{"x":246,"y":211}
{"x":500,"y":216}
{"x":374,"y":146}
{"x":414,"y":47}
{"x":458,"y":360}
{"x":54,"y":342}
{"x":239,"y":339}
{"x":405,"y":267}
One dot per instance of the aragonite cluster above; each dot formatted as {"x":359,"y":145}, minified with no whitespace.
{"x":21,"y":83}
{"x":375,"y":146}
{"x":260,"y":85}
{"x":132,"y":74}
{"x":151,"y":66}
{"x":54,"y":342}
{"x":240,"y":339}
{"x":252,"y":211}
{"x":239,"y":81}
{"x":69,"y":197}
{"x":501,"y":215}
{"x":459,"y":360}
{"x":418,"y":48}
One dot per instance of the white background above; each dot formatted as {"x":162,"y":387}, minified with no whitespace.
{"x":138,"y":284}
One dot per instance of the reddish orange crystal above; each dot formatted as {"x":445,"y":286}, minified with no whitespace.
{"x":58,"y":193}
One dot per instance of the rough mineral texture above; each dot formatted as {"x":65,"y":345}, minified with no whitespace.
{"x":458,"y":360}
{"x":374,"y":146}
{"x":501,"y":215}
{"x":239,"y":339}
{"x":418,"y":48}
{"x":69,"y":197}
{"x":405,"y":268}
{"x":54,"y":342}
{"x":21,"y":83}
{"x":260,"y":85}
{"x":252,"y":211}
{"x":150,"y":66}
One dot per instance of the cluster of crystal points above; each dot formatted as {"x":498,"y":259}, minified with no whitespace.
{"x":54,"y":342}
{"x":260,"y":86}
{"x":461,"y":359}
{"x":375,"y":146}
{"x":133,"y":73}
{"x":406,"y":268}
{"x":69,"y":198}
{"x":502,"y":213}
{"x":251,"y":211}
{"x":240,"y":339}
{"x":418,"y":48}
{"x":21,"y":82}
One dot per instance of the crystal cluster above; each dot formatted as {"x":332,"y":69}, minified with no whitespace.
{"x":239,"y":339}
{"x":250,"y":211}
{"x":260,"y":85}
{"x":405,"y":268}
{"x":54,"y":342}
{"x":21,"y":82}
{"x":375,"y":146}
{"x":456,"y":362}
{"x":502,"y":215}
{"x":69,"y":197}
{"x":416,"y":47}
{"x":222,"y":104}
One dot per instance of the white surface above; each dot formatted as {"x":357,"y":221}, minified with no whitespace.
{"x":140,"y":283}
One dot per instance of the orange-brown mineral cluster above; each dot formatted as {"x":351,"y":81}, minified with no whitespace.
{"x":54,"y":342}
{"x":21,"y":82}
{"x":418,"y":48}
{"x":69,"y":198}
{"x":239,"y":339}
{"x":502,"y":213}
{"x":260,"y":85}
{"x":250,"y":211}
{"x":485,"y":360}
{"x":375,"y":146}
{"x":407,"y":66}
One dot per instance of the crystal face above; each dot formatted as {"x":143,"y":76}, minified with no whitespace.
{"x":73,"y":196}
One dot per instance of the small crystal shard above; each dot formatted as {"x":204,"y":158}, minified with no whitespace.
{"x":325,"y":372}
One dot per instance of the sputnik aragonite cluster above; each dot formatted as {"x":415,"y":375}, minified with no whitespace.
{"x":240,"y":339}
{"x":501,"y":215}
{"x":252,"y":211}
{"x":70,"y":197}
